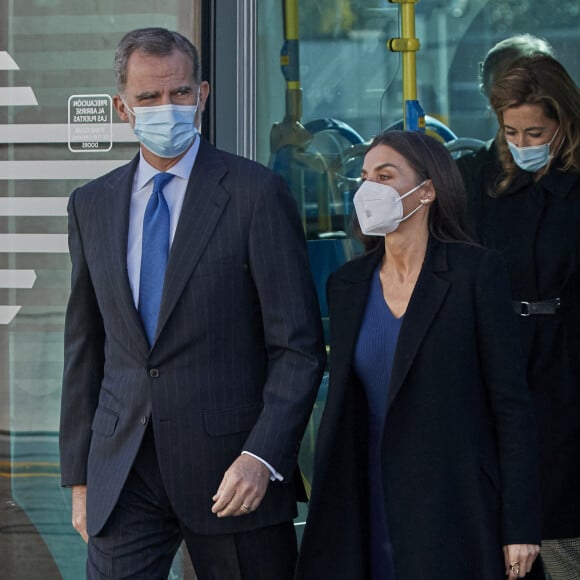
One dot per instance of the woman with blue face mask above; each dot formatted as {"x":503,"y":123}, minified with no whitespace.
{"x":527,"y":206}
{"x":426,"y":459}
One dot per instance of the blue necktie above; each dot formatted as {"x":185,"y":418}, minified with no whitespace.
{"x":155,"y":249}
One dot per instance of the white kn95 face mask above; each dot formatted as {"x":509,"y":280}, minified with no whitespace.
{"x":379,"y":207}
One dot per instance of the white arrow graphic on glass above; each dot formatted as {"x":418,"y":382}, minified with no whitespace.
{"x":7,"y":62}
{"x":7,"y":313}
{"x":34,"y":243}
{"x":14,"y":279}
{"x":17,"y":96}
{"x":17,"y":278}
{"x":55,"y":133}
{"x":65,"y":169}
{"x":34,"y":170}
{"x":33,"y":206}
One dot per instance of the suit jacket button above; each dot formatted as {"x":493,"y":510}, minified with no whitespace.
{"x":143,"y":420}
{"x":153,"y":373}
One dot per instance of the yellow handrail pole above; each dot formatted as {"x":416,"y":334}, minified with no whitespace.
{"x":289,"y":61}
{"x":408,"y":44}
{"x":409,"y":56}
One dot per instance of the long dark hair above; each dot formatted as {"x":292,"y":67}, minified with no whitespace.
{"x":429,"y":159}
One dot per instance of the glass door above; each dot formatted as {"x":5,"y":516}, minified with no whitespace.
{"x":57,"y":131}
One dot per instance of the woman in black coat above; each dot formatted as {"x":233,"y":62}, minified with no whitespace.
{"x":526,"y":204}
{"x":425,"y":464}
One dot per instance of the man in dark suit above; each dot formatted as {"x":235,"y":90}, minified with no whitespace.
{"x":193,"y":344}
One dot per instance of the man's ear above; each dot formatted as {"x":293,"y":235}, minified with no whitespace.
{"x":203,"y":96}
{"x":121,"y":108}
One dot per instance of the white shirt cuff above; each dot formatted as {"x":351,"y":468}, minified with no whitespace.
{"x":275,"y":476}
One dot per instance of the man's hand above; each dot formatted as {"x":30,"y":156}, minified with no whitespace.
{"x":79,"y":510}
{"x":242,"y":488}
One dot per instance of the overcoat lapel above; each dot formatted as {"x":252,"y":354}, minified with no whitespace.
{"x":113,"y":211}
{"x":425,"y":302}
{"x":349,"y":299}
{"x":205,"y":200}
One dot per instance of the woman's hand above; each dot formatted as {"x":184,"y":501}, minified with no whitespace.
{"x":519,"y":559}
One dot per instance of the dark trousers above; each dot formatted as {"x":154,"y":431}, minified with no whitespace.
{"x":143,"y":534}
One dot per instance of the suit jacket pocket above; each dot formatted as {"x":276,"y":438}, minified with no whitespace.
{"x":229,"y":421}
{"x":105,"y":421}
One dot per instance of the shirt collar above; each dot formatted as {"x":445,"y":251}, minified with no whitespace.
{"x":145,"y":171}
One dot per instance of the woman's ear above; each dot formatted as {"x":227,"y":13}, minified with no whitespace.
{"x":428,"y":193}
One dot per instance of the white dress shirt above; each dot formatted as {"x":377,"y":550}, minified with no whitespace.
{"x":174,"y":193}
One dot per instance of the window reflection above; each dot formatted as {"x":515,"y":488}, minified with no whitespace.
{"x":49,"y":50}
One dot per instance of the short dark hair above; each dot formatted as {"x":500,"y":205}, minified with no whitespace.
{"x":429,"y":159}
{"x":502,"y":54}
{"x":154,"y":42}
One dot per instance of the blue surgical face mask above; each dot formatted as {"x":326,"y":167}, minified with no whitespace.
{"x":165,"y":130}
{"x":532,"y":158}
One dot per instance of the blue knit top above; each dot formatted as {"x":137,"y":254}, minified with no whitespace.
{"x":373,"y":362}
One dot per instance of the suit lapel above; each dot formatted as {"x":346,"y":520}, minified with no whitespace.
{"x":425,"y":302}
{"x":205,"y":200}
{"x":114,"y":223}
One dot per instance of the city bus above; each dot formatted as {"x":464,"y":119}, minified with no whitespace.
{"x":301,"y":86}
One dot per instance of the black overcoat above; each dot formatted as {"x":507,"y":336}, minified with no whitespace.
{"x":536,"y":226}
{"x":459,"y":443}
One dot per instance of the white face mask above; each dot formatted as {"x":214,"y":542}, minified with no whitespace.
{"x":379,"y":207}
{"x":532,"y":158}
{"x":166,"y":130}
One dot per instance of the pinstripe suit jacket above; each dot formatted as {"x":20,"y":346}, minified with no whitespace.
{"x":238,"y":353}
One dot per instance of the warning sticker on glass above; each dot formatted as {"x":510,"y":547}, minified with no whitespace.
{"x":90,"y":123}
